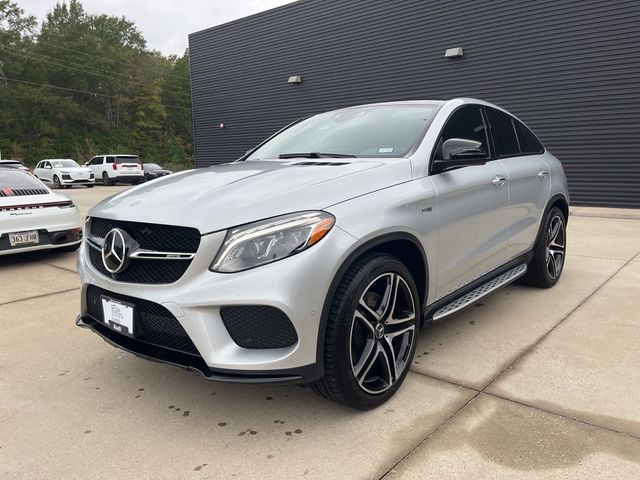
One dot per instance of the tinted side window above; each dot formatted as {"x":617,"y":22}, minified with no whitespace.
{"x":528,"y":141}
{"x":111,"y":159}
{"x":466,"y":123}
{"x":504,"y":133}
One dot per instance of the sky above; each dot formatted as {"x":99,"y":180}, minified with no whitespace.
{"x":165,"y":23}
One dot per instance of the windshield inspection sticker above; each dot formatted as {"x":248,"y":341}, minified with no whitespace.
{"x":385,"y":150}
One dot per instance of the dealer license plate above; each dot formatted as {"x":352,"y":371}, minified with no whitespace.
{"x":118,"y":315}
{"x":24,"y":238}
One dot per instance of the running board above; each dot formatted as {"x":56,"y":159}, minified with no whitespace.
{"x":480,"y":292}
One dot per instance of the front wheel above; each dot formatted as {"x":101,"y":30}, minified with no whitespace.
{"x":549,"y":252}
{"x":56,"y":182}
{"x":371,"y":333}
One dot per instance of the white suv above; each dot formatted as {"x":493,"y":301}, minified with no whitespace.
{"x":63,"y":172}
{"x":117,"y":168}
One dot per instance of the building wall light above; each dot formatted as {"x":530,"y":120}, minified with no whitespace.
{"x":454,"y":52}
{"x":295,"y":79}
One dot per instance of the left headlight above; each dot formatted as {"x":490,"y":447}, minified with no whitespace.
{"x":268,"y":241}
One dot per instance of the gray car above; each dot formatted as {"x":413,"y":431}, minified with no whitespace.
{"x":318,"y":256}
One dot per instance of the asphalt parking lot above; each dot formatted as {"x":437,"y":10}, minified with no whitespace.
{"x":525,"y":384}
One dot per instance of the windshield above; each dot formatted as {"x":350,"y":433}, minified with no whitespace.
{"x":131,"y":159}
{"x":376,"y":131}
{"x":64,"y":163}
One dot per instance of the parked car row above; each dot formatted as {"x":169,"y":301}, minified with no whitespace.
{"x":107,"y":169}
{"x":32,"y":217}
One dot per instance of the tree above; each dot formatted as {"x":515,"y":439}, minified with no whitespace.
{"x":88,"y":83}
{"x":15,"y":26}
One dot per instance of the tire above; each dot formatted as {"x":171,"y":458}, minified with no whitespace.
{"x":549,"y":252}
{"x":56,"y":182}
{"x":106,"y":180}
{"x":89,"y":186}
{"x":357,"y":340}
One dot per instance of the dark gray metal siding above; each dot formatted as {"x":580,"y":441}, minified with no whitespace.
{"x":569,"y":69}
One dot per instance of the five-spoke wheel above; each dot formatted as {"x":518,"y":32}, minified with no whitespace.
{"x":382,"y":333}
{"x":549,"y":251}
{"x":371,"y":332}
{"x":555,"y":246}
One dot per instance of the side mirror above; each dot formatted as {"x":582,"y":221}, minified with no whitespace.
{"x":460,"y":152}
{"x":86,"y":164}
{"x":48,"y":167}
{"x":462,"y":149}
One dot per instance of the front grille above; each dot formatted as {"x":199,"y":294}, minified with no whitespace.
{"x":163,"y":238}
{"x":154,"y":323}
{"x":151,"y":272}
{"x":151,"y":236}
{"x":258,"y":326}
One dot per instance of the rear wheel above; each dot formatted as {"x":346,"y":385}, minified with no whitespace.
{"x":371,"y":333}
{"x":56,"y":182}
{"x":105,"y":179}
{"x":549,"y":252}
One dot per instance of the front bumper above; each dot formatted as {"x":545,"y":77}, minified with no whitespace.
{"x":296,"y":286}
{"x":77,"y":181}
{"x":196,"y":363}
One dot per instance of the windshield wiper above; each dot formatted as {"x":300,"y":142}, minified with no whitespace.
{"x":315,"y":155}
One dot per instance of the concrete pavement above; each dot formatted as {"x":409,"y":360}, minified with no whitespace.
{"x":528,"y":384}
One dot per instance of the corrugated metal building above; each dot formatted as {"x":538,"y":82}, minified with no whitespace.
{"x":569,"y":68}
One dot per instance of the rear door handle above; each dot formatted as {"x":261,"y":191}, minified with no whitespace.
{"x":542,"y":174}
{"x":498,"y":181}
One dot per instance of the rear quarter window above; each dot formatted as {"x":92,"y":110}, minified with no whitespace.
{"x":504,"y":133}
{"x":529,"y":143}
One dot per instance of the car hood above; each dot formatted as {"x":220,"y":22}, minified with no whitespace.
{"x":223,"y":196}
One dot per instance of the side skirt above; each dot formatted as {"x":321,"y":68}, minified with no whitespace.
{"x":479,"y":288}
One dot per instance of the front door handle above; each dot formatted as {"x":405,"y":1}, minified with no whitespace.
{"x":498,"y":181}
{"x":542,"y":174}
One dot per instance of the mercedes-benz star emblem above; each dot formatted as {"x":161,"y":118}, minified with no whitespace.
{"x":114,"y":251}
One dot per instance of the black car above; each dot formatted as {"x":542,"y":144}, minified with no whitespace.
{"x":153,"y":170}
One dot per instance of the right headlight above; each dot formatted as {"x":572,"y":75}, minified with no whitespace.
{"x":268,"y":241}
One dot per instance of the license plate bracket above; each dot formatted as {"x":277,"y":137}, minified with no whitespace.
{"x":19,"y":239}
{"x":119,"y":315}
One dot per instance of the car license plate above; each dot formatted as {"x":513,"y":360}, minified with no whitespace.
{"x":118,"y":315}
{"x":24,"y":238}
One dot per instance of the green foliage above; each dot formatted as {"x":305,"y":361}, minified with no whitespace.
{"x":112,"y":94}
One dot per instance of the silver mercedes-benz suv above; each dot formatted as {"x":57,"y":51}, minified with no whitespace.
{"x":317,"y":256}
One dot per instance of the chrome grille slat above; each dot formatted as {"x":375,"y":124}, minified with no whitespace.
{"x":162,"y":255}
